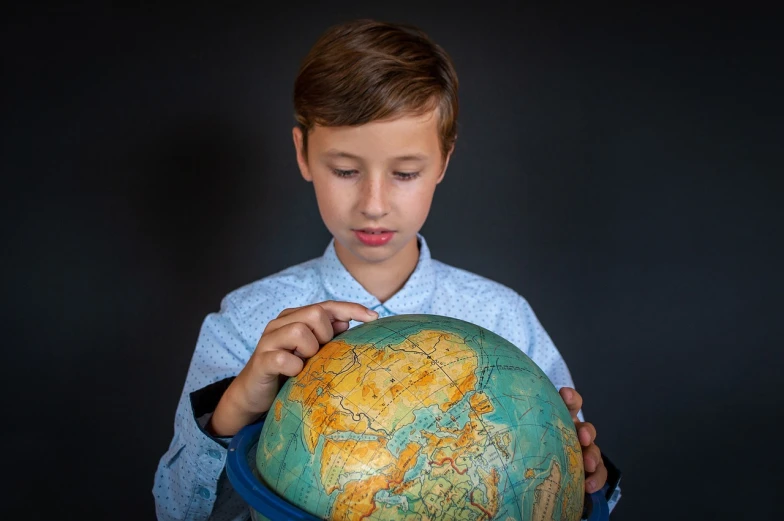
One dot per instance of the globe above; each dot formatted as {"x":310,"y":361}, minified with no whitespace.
{"x":422,"y":417}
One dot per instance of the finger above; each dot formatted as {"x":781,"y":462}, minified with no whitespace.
{"x":339,"y":326}
{"x":572,"y":399}
{"x":337,"y":305}
{"x":279,"y":362}
{"x":586,"y":433}
{"x":313,"y":316}
{"x":596,"y":479}
{"x":317,"y":319}
{"x":339,"y":311}
{"x":288,"y":311}
{"x":296,"y":338}
{"x":592,"y":458}
{"x":325,"y":319}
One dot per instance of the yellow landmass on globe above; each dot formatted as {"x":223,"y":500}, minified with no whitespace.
{"x":355,"y":501}
{"x":546,"y":494}
{"x":346,"y":393}
{"x":570,"y":504}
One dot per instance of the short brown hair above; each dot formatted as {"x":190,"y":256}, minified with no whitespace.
{"x":364,"y":70}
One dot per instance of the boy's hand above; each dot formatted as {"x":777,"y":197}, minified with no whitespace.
{"x":287,"y":341}
{"x":595,"y":471}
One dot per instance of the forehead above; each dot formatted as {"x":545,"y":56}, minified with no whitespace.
{"x":410,"y":133}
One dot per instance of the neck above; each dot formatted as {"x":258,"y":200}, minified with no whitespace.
{"x":382,"y":279}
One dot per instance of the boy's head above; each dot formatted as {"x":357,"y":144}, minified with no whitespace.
{"x":376,"y":107}
{"x":364,"y":70}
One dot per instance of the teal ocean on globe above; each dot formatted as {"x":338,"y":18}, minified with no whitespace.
{"x":422,"y":417}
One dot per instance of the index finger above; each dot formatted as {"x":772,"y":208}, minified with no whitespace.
{"x":339,"y":313}
{"x":345,"y":311}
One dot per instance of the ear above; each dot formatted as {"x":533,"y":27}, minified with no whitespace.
{"x":299,"y":146}
{"x":446,"y":164}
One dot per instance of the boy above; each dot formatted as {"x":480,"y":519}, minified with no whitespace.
{"x":376,"y":107}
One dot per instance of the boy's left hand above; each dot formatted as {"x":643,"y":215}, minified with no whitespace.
{"x":595,"y":471}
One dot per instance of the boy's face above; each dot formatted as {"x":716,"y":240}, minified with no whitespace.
{"x":374,"y":183}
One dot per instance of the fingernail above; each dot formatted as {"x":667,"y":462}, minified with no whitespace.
{"x":372,"y":313}
{"x":589,"y":485}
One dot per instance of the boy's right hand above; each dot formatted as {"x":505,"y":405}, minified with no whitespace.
{"x":287,"y":341}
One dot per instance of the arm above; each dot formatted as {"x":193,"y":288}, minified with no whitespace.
{"x":189,"y":480}
{"x":190,"y":483}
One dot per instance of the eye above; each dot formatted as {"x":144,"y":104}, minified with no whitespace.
{"x":406,"y":176}
{"x":343,"y":173}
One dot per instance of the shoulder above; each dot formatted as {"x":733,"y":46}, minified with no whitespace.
{"x":474,"y":288}
{"x":253,"y":305}
{"x":482,"y":301}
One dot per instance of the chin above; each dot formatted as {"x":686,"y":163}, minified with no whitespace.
{"x":373,"y":255}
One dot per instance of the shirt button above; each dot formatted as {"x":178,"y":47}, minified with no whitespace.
{"x":214,"y":454}
{"x":203,"y":492}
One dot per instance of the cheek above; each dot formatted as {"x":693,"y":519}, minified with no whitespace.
{"x":331,"y":199}
{"x":418,"y":203}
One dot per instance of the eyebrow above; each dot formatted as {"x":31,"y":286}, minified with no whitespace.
{"x":334,"y":153}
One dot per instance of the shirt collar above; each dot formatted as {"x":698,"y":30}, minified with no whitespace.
{"x":413,"y":297}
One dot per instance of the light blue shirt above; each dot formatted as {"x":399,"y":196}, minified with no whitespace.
{"x":190,"y":482}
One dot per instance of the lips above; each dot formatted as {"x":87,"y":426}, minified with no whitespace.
{"x":374,"y":230}
{"x":374,"y":236}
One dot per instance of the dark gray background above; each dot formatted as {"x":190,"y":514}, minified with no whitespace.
{"x":621,"y":169}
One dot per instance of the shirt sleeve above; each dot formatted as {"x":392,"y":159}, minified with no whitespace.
{"x":190,"y":482}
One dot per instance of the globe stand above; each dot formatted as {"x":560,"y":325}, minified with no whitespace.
{"x":241,"y":461}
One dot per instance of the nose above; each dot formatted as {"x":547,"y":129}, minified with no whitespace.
{"x":374,"y":202}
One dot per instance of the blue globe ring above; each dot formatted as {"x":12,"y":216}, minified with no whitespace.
{"x":260,"y":498}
